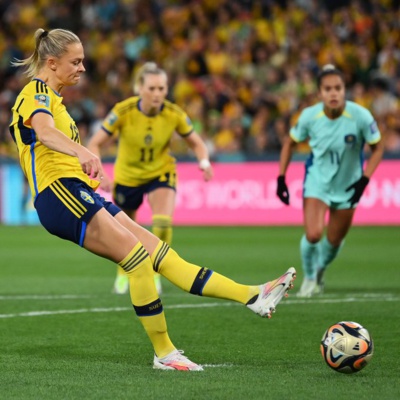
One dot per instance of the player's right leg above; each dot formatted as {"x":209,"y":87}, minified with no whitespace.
{"x":71,"y":210}
{"x":314,"y":214}
{"x":145,"y":298}
{"x":309,"y":256}
{"x":339,"y":224}
{"x":106,"y":237}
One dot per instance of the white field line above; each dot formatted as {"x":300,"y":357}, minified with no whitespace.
{"x":40,"y":313}
{"x":216,"y":365}
{"x":112,"y":309}
{"x":171,"y":295}
{"x":45,"y":297}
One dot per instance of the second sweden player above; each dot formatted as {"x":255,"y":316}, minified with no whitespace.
{"x":144,"y":126}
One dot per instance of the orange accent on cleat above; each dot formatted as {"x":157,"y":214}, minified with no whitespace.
{"x":175,"y":361}
{"x":271,"y":293}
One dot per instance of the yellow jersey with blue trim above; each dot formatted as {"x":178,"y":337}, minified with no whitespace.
{"x":144,"y":140}
{"x":40,"y":164}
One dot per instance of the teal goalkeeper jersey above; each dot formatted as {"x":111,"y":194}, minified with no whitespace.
{"x":336,"y":159}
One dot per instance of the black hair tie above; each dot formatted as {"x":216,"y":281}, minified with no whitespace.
{"x":43,"y":34}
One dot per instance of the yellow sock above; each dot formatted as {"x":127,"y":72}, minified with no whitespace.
{"x":197,"y":280}
{"x":162,"y":227}
{"x":145,"y":300}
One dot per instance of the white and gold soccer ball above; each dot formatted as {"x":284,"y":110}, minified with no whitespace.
{"x":347,"y":347}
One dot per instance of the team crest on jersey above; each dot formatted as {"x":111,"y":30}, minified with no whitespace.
{"x":42,"y":100}
{"x":350,"y":139}
{"x":373,"y":127}
{"x":87,"y":197}
{"x":111,"y":118}
{"x":188,"y":121}
{"x":148,"y":139}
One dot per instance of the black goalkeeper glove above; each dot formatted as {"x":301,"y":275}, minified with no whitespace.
{"x":282,"y":190}
{"x":359,"y":187}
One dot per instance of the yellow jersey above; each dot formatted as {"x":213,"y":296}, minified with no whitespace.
{"x":41,"y":165}
{"x":144,"y":141}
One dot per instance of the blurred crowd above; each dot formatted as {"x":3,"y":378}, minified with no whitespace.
{"x":242,"y":69}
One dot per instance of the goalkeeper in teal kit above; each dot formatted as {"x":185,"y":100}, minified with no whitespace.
{"x":335,"y":180}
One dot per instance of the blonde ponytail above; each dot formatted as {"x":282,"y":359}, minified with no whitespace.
{"x":47,"y":43}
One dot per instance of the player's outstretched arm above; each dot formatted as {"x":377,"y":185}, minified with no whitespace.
{"x":51,"y":137}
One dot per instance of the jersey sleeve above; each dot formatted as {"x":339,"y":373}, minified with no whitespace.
{"x":299,"y":132}
{"x":112,"y":122}
{"x":34,"y":101}
{"x":185,"y":126}
{"x":369,"y":128}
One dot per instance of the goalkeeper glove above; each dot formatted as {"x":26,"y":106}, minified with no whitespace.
{"x":359,"y":187}
{"x":282,"y":190}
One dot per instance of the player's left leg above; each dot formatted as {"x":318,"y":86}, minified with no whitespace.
{"x":314,"y":211}
{"x":202,"y":281}
{"x":338,"y":227}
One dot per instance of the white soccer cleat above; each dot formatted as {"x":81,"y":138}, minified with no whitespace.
{"x":271,"y":294}
{"x":307,"y":288}
{"x":175,"y":361}
{"x":121,"y":285}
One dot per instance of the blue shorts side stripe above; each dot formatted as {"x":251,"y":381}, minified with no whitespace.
{"x":64,"y":202}
{"x":83,"y":232}
{"x":69,"y":196}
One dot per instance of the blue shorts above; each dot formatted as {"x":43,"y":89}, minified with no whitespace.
{"x":66,"y":207}
{"x":131,"y":198}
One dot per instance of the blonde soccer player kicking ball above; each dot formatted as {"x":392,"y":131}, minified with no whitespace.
{"x":59,"y":171}
{"x":144,"y":126}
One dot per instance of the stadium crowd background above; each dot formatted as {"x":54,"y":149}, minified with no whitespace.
{"x":242,"y":69}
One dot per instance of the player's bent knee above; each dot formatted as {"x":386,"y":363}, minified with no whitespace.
{"x":106,"y":237}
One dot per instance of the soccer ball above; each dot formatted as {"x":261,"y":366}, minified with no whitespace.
{"x":347,"y":347}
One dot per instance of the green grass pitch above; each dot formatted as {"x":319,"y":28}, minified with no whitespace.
{"x":63,"y":335}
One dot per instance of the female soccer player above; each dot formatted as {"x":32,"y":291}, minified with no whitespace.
{"x":60,"y":171}
{"x":144,"y":125}
{"x":334,"y":180}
